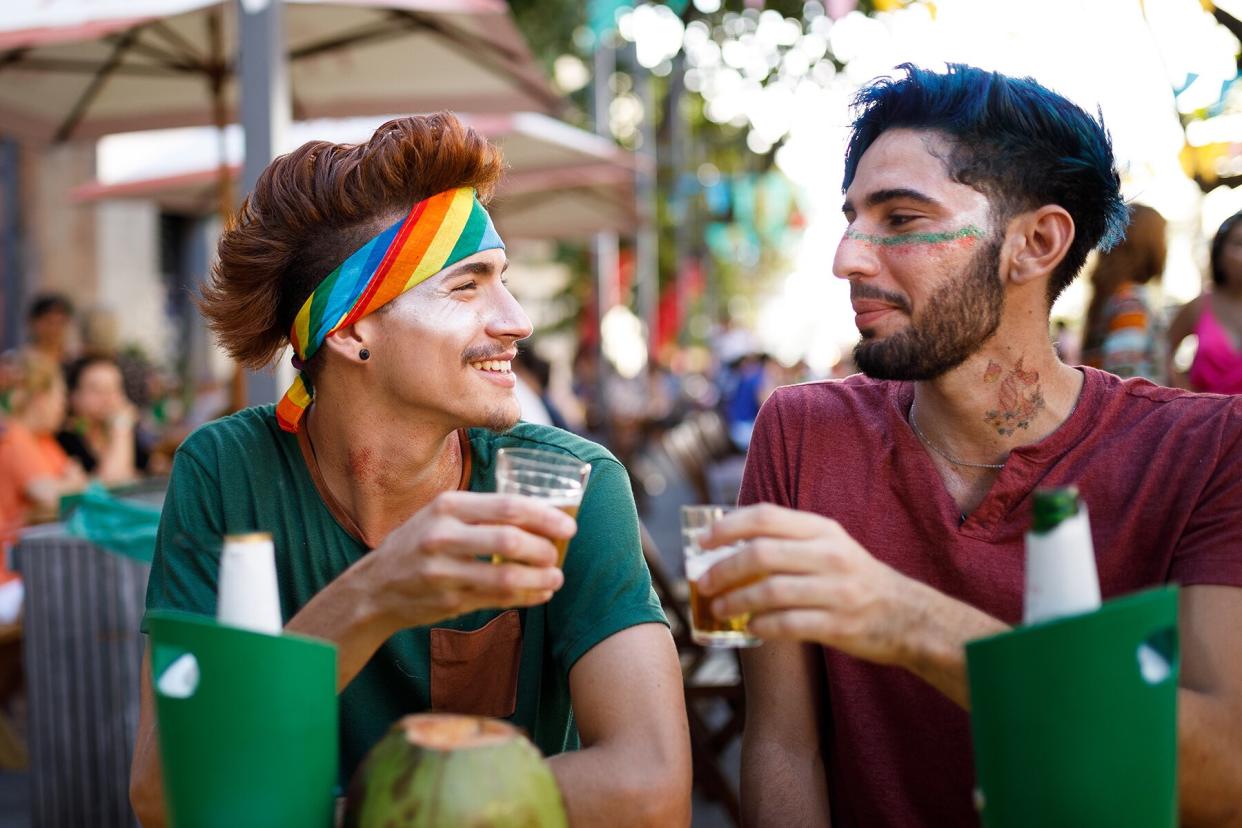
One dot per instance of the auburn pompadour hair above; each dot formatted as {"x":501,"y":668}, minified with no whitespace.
{"x":312,"y":208}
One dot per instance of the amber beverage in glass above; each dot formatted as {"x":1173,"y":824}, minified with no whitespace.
{"x":707,"y":629}
{"x":558,"y":479}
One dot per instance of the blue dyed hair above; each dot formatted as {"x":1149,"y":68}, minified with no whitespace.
{"x":1017,"y":142}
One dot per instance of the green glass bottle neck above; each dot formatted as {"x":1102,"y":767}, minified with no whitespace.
{"x":1052,"y":507}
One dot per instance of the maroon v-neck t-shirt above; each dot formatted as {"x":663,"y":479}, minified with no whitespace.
{"x":1159,"y":469}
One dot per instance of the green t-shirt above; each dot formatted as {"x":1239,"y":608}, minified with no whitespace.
{"x":243,"y":474}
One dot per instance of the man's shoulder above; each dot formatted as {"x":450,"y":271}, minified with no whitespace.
{"x":12,"y":432}
{"x":837,"y":397}
{"x":1137,"y":405}
{"x":17,"y":443}
{"x":251,"y":433}
{"x":536,"y":435}
{"x":1145,"y":397}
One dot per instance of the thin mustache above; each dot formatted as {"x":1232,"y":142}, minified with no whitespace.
{"x":858,"y":291}
{"x":483,"y":355}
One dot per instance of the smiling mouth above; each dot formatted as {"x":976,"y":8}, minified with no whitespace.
{"x":494,"y":366}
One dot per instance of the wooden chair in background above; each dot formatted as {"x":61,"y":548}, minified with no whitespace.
{"x":694,"y":445}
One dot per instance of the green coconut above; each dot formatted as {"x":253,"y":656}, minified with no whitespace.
{"x":436,"y":770}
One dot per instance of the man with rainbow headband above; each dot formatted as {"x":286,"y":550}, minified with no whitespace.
{"x":883,"y":514}
{"x":374,"y":474}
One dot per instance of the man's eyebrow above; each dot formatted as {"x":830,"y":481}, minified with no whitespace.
{"x":879,"y":197}
{"x":477,"y":268}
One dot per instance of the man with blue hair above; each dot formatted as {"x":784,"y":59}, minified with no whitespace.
{"x":893,"y":505}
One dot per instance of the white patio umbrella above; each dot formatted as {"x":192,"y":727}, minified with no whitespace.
{"x":560,"y":182}
{"x":86,"y":68}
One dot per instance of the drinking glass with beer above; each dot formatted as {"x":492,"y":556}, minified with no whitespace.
{"x":558,"y":479}
{"x":707,"y":629}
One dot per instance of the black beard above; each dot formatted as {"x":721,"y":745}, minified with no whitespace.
{"x":955,"y":322}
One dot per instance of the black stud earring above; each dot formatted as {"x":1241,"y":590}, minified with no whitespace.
{"x":364,"y":355}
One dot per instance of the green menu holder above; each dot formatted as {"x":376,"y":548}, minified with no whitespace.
{"x":1075,"y":720}
{"x":252,"y":742}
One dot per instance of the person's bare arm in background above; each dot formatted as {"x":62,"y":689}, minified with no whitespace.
{"x":1182,"y":326}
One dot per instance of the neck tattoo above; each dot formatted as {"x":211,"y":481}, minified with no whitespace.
{"x":923,"y":437}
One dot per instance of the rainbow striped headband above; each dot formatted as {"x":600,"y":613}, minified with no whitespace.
{"x":439,"y":231}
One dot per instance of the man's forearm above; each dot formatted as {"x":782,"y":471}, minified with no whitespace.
{"x":146,"y":791}
{"x":345,"y":614}
{"x":1209,"y":751}
{"x":146,"y":779}
{"x":938,"y":632}
{"x":634,"y":768}
{"x":117,"y":463}
{"x":1209,"y":732}
{"x":609,"y":786}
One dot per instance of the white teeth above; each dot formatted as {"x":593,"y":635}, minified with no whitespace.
{"x":497,"y":365}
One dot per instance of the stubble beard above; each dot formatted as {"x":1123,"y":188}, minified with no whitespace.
{"x":955,"y":323}
{"x":501,"y":418}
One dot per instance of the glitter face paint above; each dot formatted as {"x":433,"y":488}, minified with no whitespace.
{"x":920,"y":258}
{"x":964,"y":237}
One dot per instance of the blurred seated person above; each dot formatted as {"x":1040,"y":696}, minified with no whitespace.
{"x":34,"y":469}
{"x":50,"y":322}
{"x":101,"y":337}
{"x":585,"y":380}
{"x":665,"y":398}
{"x":1215,"y":317}
{"x":1123,"y":334}
{"x":746,"y":386}
{"x":101,"y":432}
{"x":534,"y":374}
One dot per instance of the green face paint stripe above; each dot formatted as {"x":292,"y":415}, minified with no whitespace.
{"x":969,"y":231}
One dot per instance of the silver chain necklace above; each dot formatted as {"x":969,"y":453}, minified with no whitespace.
{"x":914,"y":424}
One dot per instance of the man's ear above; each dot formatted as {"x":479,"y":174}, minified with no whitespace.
{"x":1036,"y":242}
{"x":347,"y":342}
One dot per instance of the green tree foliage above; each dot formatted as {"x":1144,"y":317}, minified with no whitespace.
{"x":548,"y":26}
{"x":698,"y":158}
